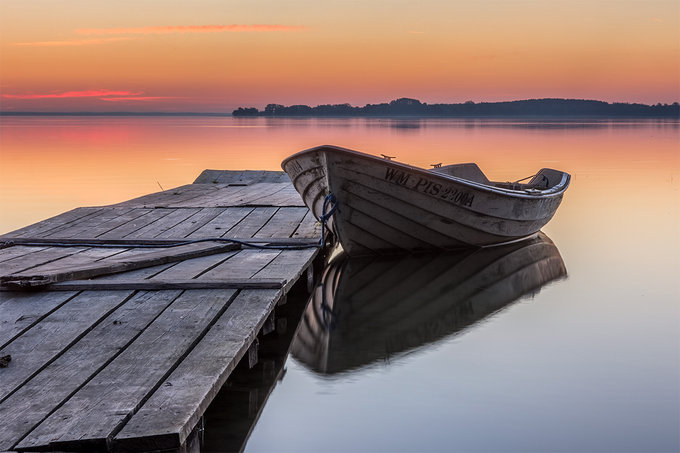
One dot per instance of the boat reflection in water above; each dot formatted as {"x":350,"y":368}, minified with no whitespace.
{"x":368,"y":310}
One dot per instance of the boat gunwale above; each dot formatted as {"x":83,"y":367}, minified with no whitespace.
{"x":554,"y":191}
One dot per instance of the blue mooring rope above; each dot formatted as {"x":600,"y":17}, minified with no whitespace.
{"x":326,"y":215}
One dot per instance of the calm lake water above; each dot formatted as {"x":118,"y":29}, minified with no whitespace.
{"x":574,"y":347}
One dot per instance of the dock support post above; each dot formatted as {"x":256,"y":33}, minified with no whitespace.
{"x":269,"y":323}
{"x":253,"y":353}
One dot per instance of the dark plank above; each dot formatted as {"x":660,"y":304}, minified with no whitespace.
{"x":40,"y":344}
{"x":100,"y":408}
{"x":157,"y":284}
{"x":125,"y":243}
{"x":41,"y":395}
{"x":116,"y":265}
{"x":20,"y":310}
{"x":168,"y":417}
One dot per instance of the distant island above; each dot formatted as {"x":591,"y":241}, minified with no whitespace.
{"x":524,"y":108}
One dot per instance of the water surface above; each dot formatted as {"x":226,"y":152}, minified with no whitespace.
{"x":586,"y":361}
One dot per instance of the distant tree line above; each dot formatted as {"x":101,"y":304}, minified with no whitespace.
{"x":530,"y":107}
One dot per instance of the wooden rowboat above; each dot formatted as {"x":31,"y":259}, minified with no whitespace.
{"x":372,"y":310}
{"x":383,"y":206}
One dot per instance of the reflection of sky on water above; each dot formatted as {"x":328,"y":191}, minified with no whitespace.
{"x":590,"y":363}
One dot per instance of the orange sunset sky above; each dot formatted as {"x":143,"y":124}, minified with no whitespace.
{"x":216,"y":55}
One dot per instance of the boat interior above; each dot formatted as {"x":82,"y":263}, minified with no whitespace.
{"x":544,"y":179}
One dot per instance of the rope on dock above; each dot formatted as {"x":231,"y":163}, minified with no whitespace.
{"x":326,"y":214}
{"x":119,"y":244}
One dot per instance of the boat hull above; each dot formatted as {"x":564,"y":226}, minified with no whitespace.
{"x":388,"y":207}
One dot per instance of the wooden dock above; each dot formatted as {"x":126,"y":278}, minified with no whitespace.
{"x":123,"y":347}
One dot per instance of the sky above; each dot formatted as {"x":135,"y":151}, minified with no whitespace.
{"x":217,"y":55}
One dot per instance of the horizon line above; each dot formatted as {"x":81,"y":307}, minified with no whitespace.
{"x":230,"y":113}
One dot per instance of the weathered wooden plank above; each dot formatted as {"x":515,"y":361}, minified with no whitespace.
{"x":152,"y":230}
{"x":19,"y":311}
{"x":116,"y":265}
{"x":221,"y":177}
{"x":259,"y":193}
{"x":86,"y":257}
{"x":151,"y":216}
{"x":309,"y":227}
{"x":111,"y":220}
{"x":245,"y":264}
{"x":232,"y":195}
{"x":100,"y":408}
{"x":193,"y":268}
{"x":289,"y":265}
{"x":60,"y":221}
{"x":44,"y":256}
{"x":287,"y":196}
{"x":218,"y":226}
{"x":213,"y":196}
{"x":240,"y":176}
{"x":253,"y":222}
{"x":46,"y":340}
{"x":74,"y":229}
{"x":283,"y":224}
{"x":140,"y":274}
{"x":227,"y":195}
{"x":15,"y":251}
{"x":125,"y":243}
{"x":166,"y":198}
{"x":168,"y":417}
{"x":193,"y":223}
{"x":157,"y":284}
{"x":41,"y":395}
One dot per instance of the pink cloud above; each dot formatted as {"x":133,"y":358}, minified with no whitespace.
{"x":75,"y":42}
{"x":159,"y":30}
{"x":137,"y":98}
{"x":72,"y":94}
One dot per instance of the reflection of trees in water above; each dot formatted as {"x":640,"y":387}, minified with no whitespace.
{"x":368,"y":310}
